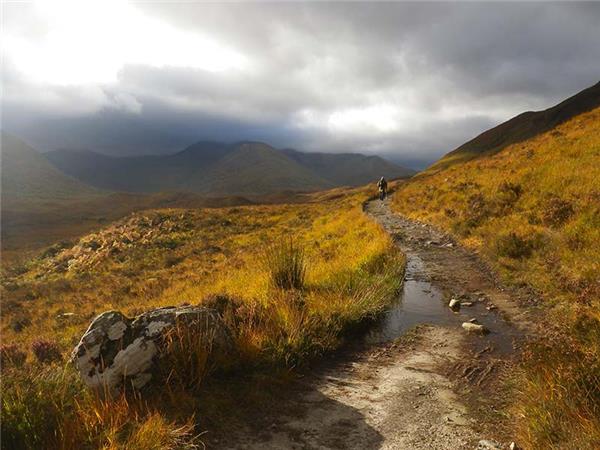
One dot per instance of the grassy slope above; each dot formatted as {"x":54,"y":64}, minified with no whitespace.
{"x":533,"y":210}
{"x":173,"y":256}
{"x":520,"y":128}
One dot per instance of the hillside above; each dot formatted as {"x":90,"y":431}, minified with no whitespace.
{"x":210,"y":168}
{"x":28,"y":177}
{"x":522,"y":127}
{"x":215,"y":258}
{"x":349,"y":169}
{"x":533,"y":211}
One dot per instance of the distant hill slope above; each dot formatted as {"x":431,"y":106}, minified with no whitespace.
{"x":349,"y":168}
{"x":256,"y":168}
{"x":522,"y":127}
{"x":28,"y":176}
{"x":211,"y":168}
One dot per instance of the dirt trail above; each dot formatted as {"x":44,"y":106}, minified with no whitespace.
{"x":433,"y":388}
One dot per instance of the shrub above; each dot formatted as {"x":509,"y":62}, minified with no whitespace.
{"x":513,"y":246}
{"x":12,"y":354}
{"x":556,"y":211}
{"x":477,"y":211}
{"x":20,"y":322}
{"x":286,"y":264}
{"x":46,"y":351}
{"x":508,"y":194}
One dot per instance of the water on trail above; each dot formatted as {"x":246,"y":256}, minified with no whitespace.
{"x":421,"y":302}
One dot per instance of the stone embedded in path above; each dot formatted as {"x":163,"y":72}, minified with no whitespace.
{"x":454,"y":304}
{"x":474,"y":328}
{"x":117,"y":350}
{"x":486,"y":444}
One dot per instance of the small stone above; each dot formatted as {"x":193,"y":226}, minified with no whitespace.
{"x":486,"y":444}
{"x":473,"y":320}
{"x":66,"y":315}
{"x":491,"y":307}
{"x":513,"y":446}
{"x":466,"y":304}
{"x":454,"y":304}
{"x":474,"y":328}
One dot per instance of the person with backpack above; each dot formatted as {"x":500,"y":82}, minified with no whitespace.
{"x":382,"y":187}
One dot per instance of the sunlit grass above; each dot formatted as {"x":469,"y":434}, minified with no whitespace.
{"x":533,"y":210}
{"x":289,"y":280}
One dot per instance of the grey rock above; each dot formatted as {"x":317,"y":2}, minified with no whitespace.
{"x":117,"y":350}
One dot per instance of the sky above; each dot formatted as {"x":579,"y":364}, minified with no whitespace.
{"x":408,"y":81}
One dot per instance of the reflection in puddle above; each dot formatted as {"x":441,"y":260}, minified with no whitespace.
{"x":423,"y":303}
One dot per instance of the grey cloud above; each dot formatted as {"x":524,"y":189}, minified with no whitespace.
{"x":454,"y":69}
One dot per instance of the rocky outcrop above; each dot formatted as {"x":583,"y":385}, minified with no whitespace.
{"x":117,"y":351}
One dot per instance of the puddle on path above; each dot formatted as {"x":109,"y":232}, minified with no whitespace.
{"x":422,"y":303}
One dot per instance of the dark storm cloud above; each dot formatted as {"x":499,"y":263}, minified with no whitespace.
{"x":406,"y":80}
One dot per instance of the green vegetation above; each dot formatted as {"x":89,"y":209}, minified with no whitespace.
{"x":290,"y":282}
{"x":533,"y":210}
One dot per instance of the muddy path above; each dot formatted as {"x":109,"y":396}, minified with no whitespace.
{"x":416,"y":380}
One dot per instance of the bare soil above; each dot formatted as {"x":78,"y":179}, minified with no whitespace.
{"x":435,"y":387}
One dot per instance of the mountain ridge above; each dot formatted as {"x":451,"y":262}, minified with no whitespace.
{"x":213,"y":168}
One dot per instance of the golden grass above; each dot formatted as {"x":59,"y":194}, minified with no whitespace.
{"x":351,"y":271}
{"x":533,"y":210}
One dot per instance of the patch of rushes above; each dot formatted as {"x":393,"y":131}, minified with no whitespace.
{"x":290,"y":282}
{"x":533,"y":210}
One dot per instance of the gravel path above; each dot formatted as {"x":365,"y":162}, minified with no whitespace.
{"x":417,"y":392}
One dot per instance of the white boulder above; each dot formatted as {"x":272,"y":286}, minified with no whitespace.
{"x":116,"y":350}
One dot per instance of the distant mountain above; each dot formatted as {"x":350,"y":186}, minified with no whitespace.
{"x":212,"y":168}
{"x":349,"y":168}
{"x":28,"y":176}
{"x":254,"y":168}
{"x":522,"y":127}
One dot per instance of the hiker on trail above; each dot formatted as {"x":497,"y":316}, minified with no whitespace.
{"x":382,"y":186}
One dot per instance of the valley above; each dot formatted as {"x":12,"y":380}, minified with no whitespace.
{"x":460,"y":312}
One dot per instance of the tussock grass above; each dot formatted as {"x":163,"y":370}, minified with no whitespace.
{"x":533,"y":210}
{"x":286,"y":263}
{"x":284,"y":302}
